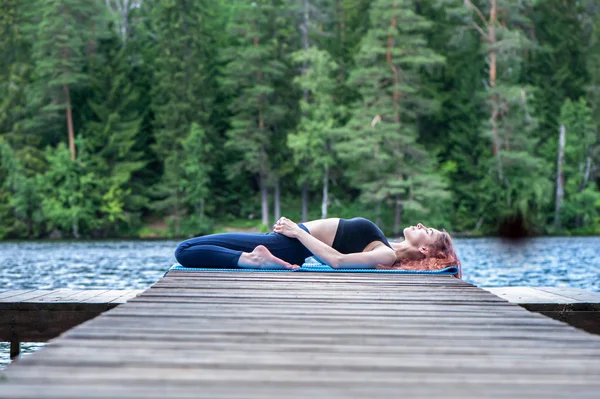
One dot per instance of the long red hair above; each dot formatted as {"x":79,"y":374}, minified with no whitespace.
{"x":441,"y":255}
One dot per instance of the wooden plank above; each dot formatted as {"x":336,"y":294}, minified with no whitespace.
{"x":126,"y":296}
{"x":520,"y":348}
{"x":84,"y":295}
{"x":527,"y":295}
{"x":323,"y":339}
{"x":325,"y":321}
{"x":5,"y":296}
{"x":288,"y":389}
{"x":316,"y":375}
{"x":227,"y":359}
{"x":365,"y":308}
{"x":28,"y":296}
{"x":575,"y":294}
{"x":106,"y":297}
{"x":59,"y":295}
{"x":325,"y":314}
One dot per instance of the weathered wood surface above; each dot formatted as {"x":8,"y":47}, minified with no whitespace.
{"x":575,"y":306}
{"x":548,"y":295}
{"x":40,"y":315}
{"x":272,"y":335}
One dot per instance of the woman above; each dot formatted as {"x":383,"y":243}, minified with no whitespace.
{"x":340,"y":243}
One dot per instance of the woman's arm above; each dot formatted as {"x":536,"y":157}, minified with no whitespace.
{"x":332,"y":257}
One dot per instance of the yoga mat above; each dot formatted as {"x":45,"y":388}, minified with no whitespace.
{"x":311,"y":265}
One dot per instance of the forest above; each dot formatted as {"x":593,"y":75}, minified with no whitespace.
{"x":175,"y":118}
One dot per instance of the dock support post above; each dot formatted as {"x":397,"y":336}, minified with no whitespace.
{"x":15,"y":347}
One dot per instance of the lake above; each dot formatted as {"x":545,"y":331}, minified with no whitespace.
{"x":549,"y":261}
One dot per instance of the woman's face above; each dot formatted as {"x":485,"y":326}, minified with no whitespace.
{"x":421,"y":236}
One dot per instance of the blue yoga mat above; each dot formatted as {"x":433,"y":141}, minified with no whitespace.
{"x":311,"y":265}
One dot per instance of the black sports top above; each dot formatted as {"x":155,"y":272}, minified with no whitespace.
{"x":353,"y":235}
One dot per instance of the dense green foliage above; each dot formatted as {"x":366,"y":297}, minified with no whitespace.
{"x":176,"y":117}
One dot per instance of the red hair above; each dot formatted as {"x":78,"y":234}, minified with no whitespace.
{"x":441,"y":255}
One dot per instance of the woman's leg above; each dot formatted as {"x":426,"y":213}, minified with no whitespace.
{"x":224,"y":250}
{"x":208,"y":256}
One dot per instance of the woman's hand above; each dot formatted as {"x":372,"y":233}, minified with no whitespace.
{"x":286,"y":227}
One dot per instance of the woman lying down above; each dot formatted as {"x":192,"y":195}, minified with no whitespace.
{"x":355,"y":243}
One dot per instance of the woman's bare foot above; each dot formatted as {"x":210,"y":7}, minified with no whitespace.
{"x":262,"y":258}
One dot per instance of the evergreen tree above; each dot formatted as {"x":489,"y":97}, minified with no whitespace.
{"x":181,"y":94}
{"x":20,"y":197}
{"x":558,"y":67}
{"x":517,"y":183}
{"x":67,"y":29}
{"x":453,"y":133}
{"x":312,"y":143}
{"x":380,"y":144}
{"x":15,"y":75}
{"x":195,"y":182}
{"x":582,"y":198}
{"x":71,"y":193}
{"x":253,"y":71}
{"x":112,"y":133}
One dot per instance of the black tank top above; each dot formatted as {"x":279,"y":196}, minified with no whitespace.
{"x":353,"y":235}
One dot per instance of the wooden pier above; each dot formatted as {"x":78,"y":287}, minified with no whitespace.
{"x":40,"y":315}
{"x":298,"y":335}
{"x":574,"y":306}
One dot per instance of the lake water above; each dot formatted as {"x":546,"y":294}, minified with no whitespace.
{"x":555,"y":261}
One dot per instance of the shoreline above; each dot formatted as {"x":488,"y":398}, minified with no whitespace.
{"x":182,"y":237}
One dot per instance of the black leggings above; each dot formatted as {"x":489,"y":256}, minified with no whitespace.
{"x":224,"y":250}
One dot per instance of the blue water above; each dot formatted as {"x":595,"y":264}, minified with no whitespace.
{"x":556,"y":261}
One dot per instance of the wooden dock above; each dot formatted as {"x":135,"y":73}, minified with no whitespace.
{"x":298,"y":335}
{"x":40,"y":315}
{"x":574,"y":306}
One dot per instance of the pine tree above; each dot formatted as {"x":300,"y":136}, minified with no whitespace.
{"x":195,"y":182}
{"x":312,"y":143}
{"x":558,"y":67}
{"x":582,"y":198}
{"x":181,"y":93}
{"x":15,"y":74}
{"x":253,"y":72}
{"x":20,"y":197}
{"x":453,"y":133}
{"x":380,"y":144}
{"x":71,"y":193}
{"x":517,"y":184}
{"x":67,"y":29}
{"x":112,"y":133}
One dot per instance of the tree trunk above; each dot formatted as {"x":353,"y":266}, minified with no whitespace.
{"x":201,"y":211}
{"x":305,"y":45}
{"x":560,"y":178}
{"x":398,"y":216}
{"x":305,"y":23}
{"x":582,"y":186}
{"x":492,"y":77}
{"x":325,"y":193}
{"x":390,"y":47}
{"x":586,"y":173}
{"x":74,"y":227}
{"x":305,"y":202}
{"x":277,"y":200}
{"x":259,"y":76}
{"x":264,"y":200}
{"x":70,"y":122}
{"x":177,"y":217}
